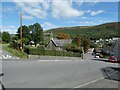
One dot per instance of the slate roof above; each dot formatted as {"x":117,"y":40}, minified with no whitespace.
{"x":62,"y":42}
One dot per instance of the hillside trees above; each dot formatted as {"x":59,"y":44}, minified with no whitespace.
{"x":108,"y":30}
{"x":77,"y":41}
{"x":63,"y":36}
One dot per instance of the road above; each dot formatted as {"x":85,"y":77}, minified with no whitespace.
{"x":59,"y":74}
{"x":86,"y":73}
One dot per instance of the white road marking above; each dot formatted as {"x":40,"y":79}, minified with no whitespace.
{"x":3,"y":56}
{"x":94,"y":80}
{"x":7,"y":57}
{"x":59,"y":60}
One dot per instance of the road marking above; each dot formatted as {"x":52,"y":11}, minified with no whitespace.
{"x":3,"y":56}
{"x":7,"y":57}
{"x":58,"y":60}
{"x":94,"y":80}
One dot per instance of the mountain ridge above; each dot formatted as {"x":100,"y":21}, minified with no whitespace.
{"x":105,"y":30}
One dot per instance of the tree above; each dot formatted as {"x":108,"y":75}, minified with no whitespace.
{"x":76,"y":41}
{"x":31,"y":33}
{"x":25,"y":41}
{"x":6,"y":37}
{"x":37,"y":33}
{"x":25,"y":32}
{"x":85,"y":43}
{"x":63,"y":36}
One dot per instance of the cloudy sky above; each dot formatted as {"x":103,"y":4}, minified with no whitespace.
{"x":54,"y":13}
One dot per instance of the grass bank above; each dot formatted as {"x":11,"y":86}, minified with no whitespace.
{"x":14,"y":52}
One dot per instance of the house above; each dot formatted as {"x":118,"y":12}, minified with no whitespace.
{"x":57,"y":44}
{"x":117,"y":49}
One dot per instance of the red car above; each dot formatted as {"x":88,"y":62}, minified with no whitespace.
{"x":112,"y":59}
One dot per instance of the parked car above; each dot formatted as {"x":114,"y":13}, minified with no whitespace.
{"x":98,"y":55}
{"x":112,"y":59}
{"x":105,"y":52}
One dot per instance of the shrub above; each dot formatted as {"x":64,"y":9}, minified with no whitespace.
{"x":6,"y":37}
{"x":26,"y":49}
{"x":41,"y":51}
{"x":34,"y":51}
{"x":14,"y":45}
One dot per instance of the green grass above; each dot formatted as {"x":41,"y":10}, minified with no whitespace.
{"x":15,"y":52}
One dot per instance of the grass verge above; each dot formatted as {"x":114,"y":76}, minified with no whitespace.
{"x":14,"y":52}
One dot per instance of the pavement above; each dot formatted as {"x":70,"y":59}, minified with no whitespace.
{"x":68,"y":73}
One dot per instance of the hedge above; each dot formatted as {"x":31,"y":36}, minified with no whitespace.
{"x":42,"y":51}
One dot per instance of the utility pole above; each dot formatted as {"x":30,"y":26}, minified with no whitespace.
{"x":82,"y":55}
{"x":20,"y":31}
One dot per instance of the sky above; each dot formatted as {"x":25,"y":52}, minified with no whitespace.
{"x":54,"y":13}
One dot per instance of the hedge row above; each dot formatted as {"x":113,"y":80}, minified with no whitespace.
{"x":61,"y":53}
{"x":42,"y":51}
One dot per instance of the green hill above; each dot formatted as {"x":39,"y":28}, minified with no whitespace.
{"x":107,"y":30}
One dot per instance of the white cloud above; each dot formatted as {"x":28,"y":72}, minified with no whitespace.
{"x":80,"y":2}
{"x":105,"y":21}
{"x":71,"y":22}
{"x":64,"y":9}
{"x":7,"y":9}
{"x":96,"y":1}
{"x":88,"y":11}
{"x":28,"y":17}
{"x":58,"y":9}
{"x":84,"y":17}
{"x":93,"y":13}
{"x":47,"y":25}
{"x":34,"y":8}
{"x":58,"y":0}
{"x":87,"y":23}
{"x":10,"y":29}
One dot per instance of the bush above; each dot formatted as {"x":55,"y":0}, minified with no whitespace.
{"x":14,"y":45}
{"x":41,"y":51}
{"x":73,"y":48}
{"x":6,"y":37}
{"x":35,"y":51}
{"x":26,"y":49}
